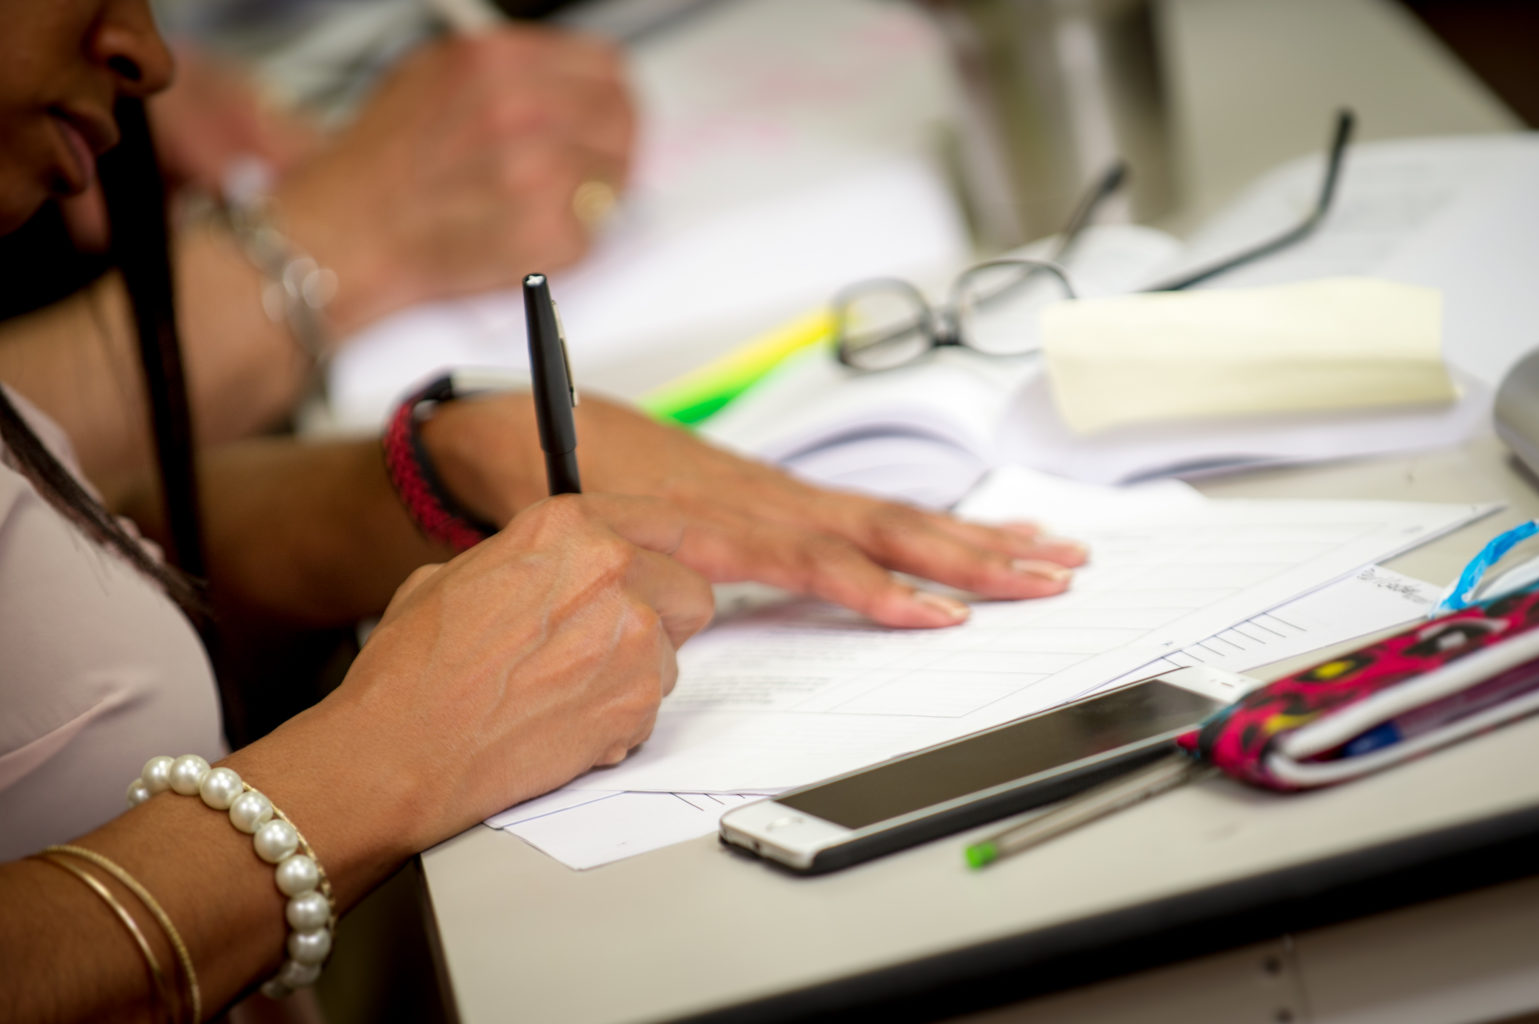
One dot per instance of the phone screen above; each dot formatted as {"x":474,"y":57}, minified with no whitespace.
{"x":1033,"y":745}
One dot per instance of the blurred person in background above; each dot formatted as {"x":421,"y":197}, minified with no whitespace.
{"x":497,"y":672}
{"x":471,"y":161}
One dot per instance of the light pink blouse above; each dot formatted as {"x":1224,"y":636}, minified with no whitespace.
{"x":99,"y":669}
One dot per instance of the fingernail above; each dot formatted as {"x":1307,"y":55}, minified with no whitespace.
{"x":1064,"y":543}
{"x":953,"y":609}
{"x":1045,"y":570}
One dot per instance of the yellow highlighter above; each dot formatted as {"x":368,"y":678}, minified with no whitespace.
{"x":698,"y":394}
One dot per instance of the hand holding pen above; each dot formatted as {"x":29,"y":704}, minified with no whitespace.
{"x":727,"y":517}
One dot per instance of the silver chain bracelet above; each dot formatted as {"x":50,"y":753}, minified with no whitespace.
{"x":296,"y":289}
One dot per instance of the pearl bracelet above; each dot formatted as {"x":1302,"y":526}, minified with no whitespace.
{"x":311,"y":912}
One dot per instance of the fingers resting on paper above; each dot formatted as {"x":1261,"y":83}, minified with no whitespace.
{"x":736,"y":519}
{"x":727,"y":548}
{"x":853,"y":564}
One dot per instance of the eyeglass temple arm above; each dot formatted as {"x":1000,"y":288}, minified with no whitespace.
{"x":1110,"y":181}
{"x":1343,"y":135}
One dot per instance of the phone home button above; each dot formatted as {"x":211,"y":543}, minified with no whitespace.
{"x":785,"y":822}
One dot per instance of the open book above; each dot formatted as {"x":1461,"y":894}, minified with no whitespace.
{"x":1435,"y":212}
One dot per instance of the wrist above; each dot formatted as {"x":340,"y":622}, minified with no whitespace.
{"x":417,"y":471}
{"x":369,"y":283}
{"x":297,"y":289}
{"x":359,"y":809}
{"x":487,"y":453}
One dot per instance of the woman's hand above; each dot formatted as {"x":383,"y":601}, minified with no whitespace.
{"x":460,"y":173}
{"x":748,"y":521}
{"x":535,"y":656}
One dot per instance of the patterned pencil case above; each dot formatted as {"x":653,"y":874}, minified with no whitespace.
{"x":1424,"y":688}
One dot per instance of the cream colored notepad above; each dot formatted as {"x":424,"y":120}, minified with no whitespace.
{"x":1339,"y":343}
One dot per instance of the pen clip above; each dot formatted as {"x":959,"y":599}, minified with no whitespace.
{"x":566,"y":360}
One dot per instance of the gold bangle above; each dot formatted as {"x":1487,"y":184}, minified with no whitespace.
{"x":157,"y":976}
{"x":184,"y":958}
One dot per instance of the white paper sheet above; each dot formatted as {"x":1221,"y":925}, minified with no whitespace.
{"x":1367,"y":602}
{"x":1480,"y":252}
{"x":550,"y":803}
{"x":1389,"y":193}
{"x":592,"y":822}
{"x":620,"y":825}
{"x":786,"y":695}
{"x":625,"y":824}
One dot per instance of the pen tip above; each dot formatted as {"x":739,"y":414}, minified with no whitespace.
{"x":980,"y":854}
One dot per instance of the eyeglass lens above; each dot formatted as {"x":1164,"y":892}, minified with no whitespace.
{"x":883,"y":324}
{"x":998,"y":305}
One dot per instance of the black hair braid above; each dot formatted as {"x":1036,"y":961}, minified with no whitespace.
{"x":136,"y":213}
{"x":60,"y":488}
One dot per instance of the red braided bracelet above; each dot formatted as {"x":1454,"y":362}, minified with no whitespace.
{"x":429,"y":504}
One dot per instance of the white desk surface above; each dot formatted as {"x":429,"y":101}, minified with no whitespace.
{"x":694,"y":928}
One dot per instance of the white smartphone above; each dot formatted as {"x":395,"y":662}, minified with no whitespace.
{"x":975,"y":779}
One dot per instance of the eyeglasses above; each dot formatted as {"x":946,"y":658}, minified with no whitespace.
{"x":884,"y":323}
{"x":887,"y":322}
{"x":992,"y":307}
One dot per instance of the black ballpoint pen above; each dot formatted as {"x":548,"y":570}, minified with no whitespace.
{"x":555,"y":396}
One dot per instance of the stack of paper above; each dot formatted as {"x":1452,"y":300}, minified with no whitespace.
{"x":585,"y":828}
{"x":788,"y":694}
{"x":1196,"y":357}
